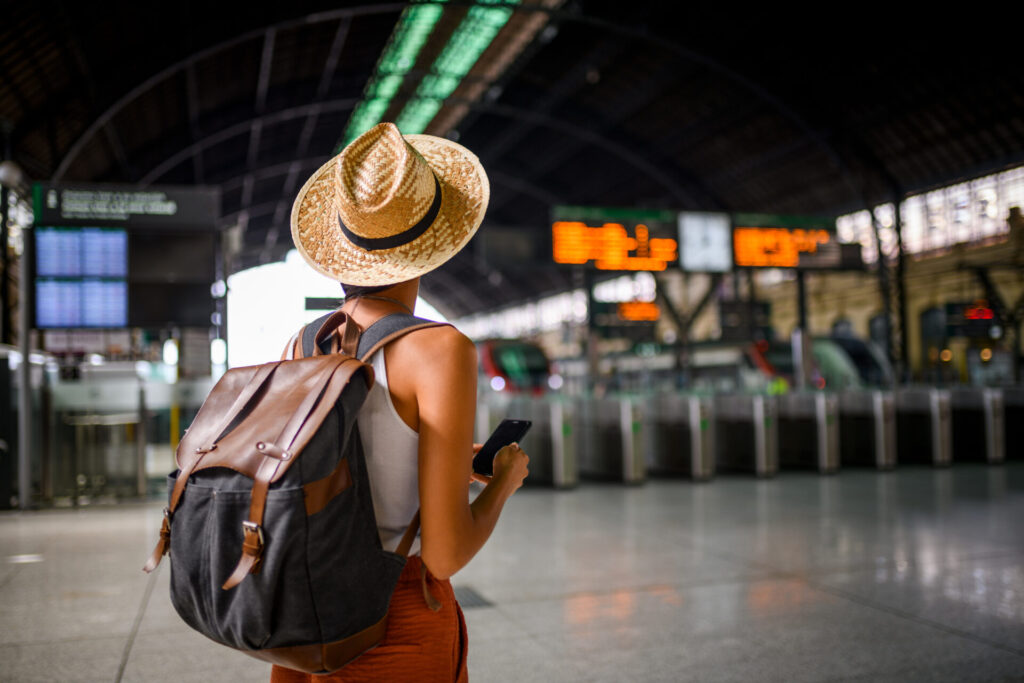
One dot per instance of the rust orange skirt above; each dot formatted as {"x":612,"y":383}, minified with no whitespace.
{"x":419,"y":645}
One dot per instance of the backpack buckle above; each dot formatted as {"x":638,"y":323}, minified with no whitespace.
{"x":253,"y":527}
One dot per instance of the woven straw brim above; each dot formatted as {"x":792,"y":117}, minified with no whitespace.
{"x":465,"y":193}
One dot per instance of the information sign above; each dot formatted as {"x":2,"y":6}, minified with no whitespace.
{"x":611,"y":247}
{"x":780,"y":247}
{"x":974,"y":320}
{"x":804,"y":242}
{"x":614,"y":239}
{"x":178,"y":208}
{"x":81,"y":277}
{"x":93,"y":241}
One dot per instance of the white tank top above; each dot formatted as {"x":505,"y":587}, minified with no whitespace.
{"x":392,"y":460}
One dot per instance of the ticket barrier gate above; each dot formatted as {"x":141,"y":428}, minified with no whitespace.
{"x":100,"y":443}
{"x":113,"y":430}
{"x":978,"y":425}
{"x":809,"y":431}
{"x":678,"y":436}
{"x":924,"y":426}
{"x":747,"y":434}
{"x":609,"y":439}
{"x":867,"y":423}
{"x":1013,"y":419}
{"x":551,"y":442}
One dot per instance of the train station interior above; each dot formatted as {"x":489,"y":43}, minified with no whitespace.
{"x":755,"y":277}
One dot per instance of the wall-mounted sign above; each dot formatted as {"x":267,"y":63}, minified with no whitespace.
{"x":188,"y":208}
{"x":705,"y":242}
{"x":611,"y":246}
{"x":974,"y":320}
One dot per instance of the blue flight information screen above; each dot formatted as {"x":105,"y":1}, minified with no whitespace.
{"x":81,"y":277}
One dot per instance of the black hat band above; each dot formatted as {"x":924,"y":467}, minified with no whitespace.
{"x":404,"y":237}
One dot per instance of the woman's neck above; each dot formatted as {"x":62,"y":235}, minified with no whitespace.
{"x":400,"y":298}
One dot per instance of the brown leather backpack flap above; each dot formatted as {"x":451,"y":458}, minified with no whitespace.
{"x":279,"y":418}
{"x":199,"y":437}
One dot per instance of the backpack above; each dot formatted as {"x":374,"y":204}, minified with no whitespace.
{"x":270,"y":527}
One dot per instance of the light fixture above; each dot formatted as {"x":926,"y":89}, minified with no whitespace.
{"x":411,"y":32}
{"x":474,"y":34}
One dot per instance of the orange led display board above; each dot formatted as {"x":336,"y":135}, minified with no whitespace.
{"x":776,"y":247}
{"x":639,"y":311}
{"x":610,"y":246}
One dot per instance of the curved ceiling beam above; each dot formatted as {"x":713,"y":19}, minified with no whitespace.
{"x":100,"y":121}
{"x":632,"y":158}
{"x":762,"y":93}
{"x":627,"y":155}
{"x":243,"y":128}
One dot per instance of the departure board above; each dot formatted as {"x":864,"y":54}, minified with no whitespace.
{"x":81,"y":277}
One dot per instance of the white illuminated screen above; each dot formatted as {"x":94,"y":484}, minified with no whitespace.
{"x":705,"y":242}
{"x":267,"y":305}
{"x":81,"y":277}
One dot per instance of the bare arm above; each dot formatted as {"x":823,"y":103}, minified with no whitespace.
{"x":445,"y":386}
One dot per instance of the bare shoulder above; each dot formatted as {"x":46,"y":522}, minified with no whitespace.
{"x":435,"y":349}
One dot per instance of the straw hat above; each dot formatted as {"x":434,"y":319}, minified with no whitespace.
{"x":389,"y":208}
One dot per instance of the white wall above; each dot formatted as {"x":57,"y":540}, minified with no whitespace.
{"x":267,"y":304}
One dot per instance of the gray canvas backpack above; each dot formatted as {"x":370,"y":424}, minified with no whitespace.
{"x":273,"y":542}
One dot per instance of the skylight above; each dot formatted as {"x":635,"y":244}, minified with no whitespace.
{"x":473,"y":35}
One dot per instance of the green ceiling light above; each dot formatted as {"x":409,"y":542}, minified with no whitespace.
{"x":476,"y":31}
{"x":411,"y":32}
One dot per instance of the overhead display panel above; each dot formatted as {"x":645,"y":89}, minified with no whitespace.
{"x":81,"y":277}
{"x":177,"y":208}
{"x":705,"y":242}
{"x":804,"y":242}
{"x":614,"y":239}
{"x":110,"y":257}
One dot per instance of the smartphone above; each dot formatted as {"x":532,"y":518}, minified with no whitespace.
{"x":509,"y":431}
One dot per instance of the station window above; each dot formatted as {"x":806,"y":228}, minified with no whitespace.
{"x":972,"y":212}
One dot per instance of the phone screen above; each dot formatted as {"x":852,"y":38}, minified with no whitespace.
{"x":509,"y":431}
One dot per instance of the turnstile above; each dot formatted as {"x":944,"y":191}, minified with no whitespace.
{"x":809,"y":431}
{"x":99,"y":444}
{"x":1013,"y":419}
{"x":112,"y":431}
{"x":924,"y":426}
{"x":867,"y":425}
{"x":678,"y":436}
{"x":609,"y":439}
{"x":551,"y":442}
{"x":747,"y":434}
{"x":978,"y":430}
{"x":8,"y":438}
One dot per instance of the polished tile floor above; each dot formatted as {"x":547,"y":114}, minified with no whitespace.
{"x":912,"y":575}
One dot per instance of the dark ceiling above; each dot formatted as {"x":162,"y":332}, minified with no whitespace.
{"x":641,"y":104}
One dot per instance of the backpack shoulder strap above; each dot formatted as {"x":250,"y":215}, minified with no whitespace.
{"x":308,"y":336}
{"x":385,"y":330}
{"x":388,"y":329}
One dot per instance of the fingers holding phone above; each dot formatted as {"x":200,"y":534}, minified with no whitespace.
{"x":511,"y":465}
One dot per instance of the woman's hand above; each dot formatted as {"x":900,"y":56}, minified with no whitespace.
{"x":510,"y":466}
{"x":515,"y":458}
